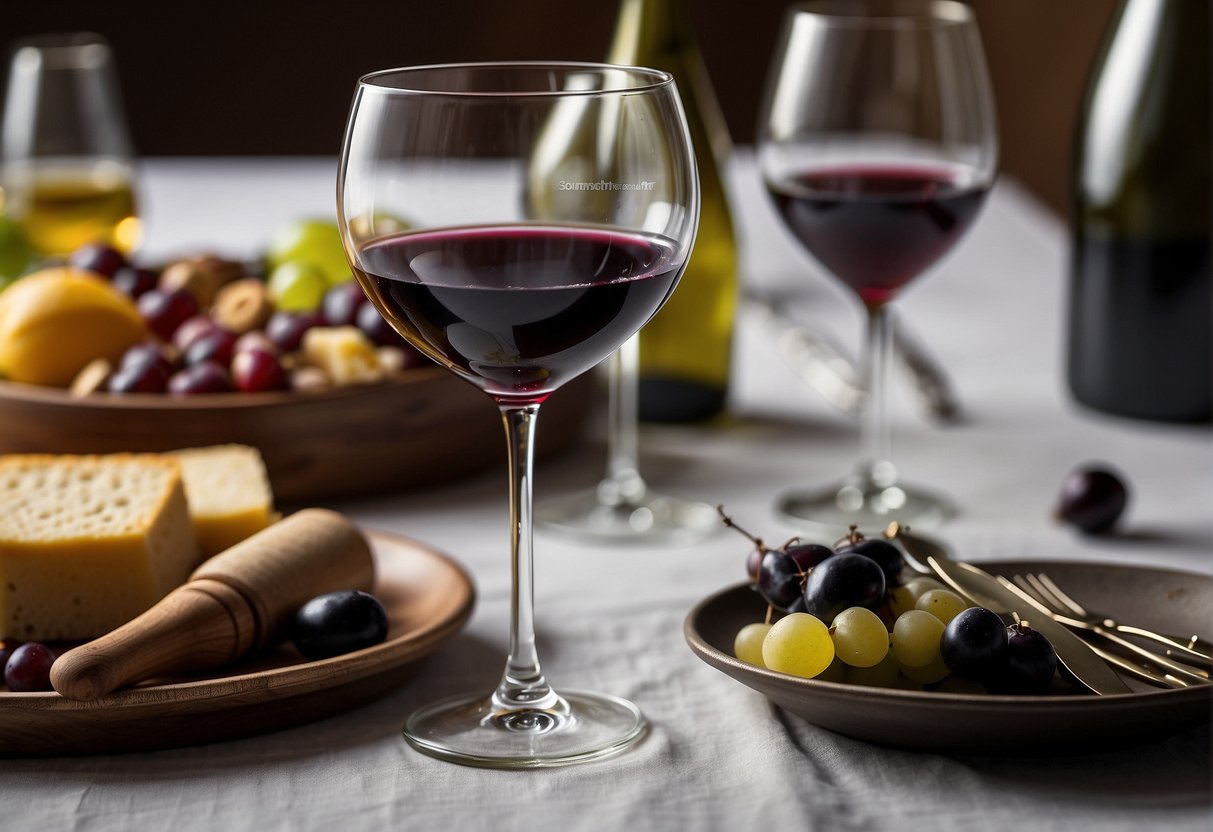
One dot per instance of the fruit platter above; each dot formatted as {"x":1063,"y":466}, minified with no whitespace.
{"x":855,"y":640}
{"x":284,"y":353}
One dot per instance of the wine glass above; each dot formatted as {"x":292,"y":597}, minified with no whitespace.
{"x":622,"y":508}
{"x":68,"y":164}
{"x":878,"y":145}
{"x":516,"y":306}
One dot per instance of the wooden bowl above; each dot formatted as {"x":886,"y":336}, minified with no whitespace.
{"x":428,"y":597}
{"x":422,"y":427}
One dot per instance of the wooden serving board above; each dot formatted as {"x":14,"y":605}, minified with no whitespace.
{"x":428,"y":598}
{"x":424,"y":426}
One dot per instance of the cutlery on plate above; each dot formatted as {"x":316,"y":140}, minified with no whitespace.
{"x":1022,"y":588}
{"x":983,"y":589}
{"x":1193,"y":650}
{"x":824,"y":366}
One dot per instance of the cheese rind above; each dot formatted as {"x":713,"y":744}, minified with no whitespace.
{"x":89,"y":542}
{"x":228,"y":492}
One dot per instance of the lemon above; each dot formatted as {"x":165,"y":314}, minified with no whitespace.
{"x":55,"y":321}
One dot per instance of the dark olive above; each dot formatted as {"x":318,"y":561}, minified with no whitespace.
{"x":337,"y":623}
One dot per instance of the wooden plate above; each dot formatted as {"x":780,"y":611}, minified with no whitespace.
{"x":423,"y":427}
{"x":1163,"y":600}
{"x":428,"y":598}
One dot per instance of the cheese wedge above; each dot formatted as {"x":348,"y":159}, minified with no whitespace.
{"x":89,"y":542}
{"x":228,"y":491}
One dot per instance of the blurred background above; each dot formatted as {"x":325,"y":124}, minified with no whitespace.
{"x":230,"y":77}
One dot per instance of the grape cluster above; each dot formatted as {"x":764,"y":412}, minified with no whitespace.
{"x":848,"y":616}
{"x":220,"y":326}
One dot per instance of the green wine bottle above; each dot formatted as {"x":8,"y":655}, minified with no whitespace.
{"x":686,"y":351}
{"x":1140,"y":302}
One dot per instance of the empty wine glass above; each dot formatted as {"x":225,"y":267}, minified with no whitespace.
{"x":878,"y":144}
{"x":516,"y":306}
{"x":67,"y":162}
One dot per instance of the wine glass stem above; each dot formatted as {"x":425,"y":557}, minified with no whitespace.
{"x":522,"y":685}
{"x":875,"y":463}
{"x":623,"y":483}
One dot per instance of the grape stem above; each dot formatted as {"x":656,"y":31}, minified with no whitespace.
{"x":728,"y":521}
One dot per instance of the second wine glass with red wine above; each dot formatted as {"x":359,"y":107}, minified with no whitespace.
{"x":517,"y":306}
{"x":878,"y":145}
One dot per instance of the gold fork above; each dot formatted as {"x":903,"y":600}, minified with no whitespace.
{"x":1038,"y":591}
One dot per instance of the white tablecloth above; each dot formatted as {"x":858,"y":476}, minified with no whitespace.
{"x":719,"y":756}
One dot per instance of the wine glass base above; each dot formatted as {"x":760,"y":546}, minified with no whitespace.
{"x":583,"y":726}
{"x":871,"y":507}
{"x":652,"y":519}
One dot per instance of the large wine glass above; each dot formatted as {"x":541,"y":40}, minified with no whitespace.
{"x":515,"y":305}
{"x":878,"y":144}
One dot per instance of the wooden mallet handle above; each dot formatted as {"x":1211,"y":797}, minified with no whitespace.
{"x":238,"y":601}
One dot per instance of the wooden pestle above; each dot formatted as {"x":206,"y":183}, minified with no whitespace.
{"x":238,"y":601}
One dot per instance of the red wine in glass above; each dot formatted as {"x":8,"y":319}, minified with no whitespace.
{"x":519,"y":310}
{"x":876,"y":228}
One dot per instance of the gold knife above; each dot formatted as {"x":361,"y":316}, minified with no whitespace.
{"x":1077,"y":656}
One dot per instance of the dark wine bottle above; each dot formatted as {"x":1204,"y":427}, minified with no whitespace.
{"x":1140,"y":306}
{"x":685,"y":351}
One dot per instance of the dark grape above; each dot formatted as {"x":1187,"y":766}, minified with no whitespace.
{"x":374,"y":326}
{"x":97,"y":258}
{"x":808,"y":555}
{"x":1030,"y":663}
{"x":887,"y":556}
{"x":286,"y":329}
{"x":341,"y":304}
{"x":216,"y":345}
{"x":1092,"y":499}
{"x":842,"y":581}
{"x":779,"y":579}
{"x":134,"y":282}
{"x":258,"y":371}
{"x":164,"y":311}
{"x":140,"y":377}
{"x":7,"y":646}
{"x":206,"y":377}
{"x":337,"y":623}
{"x":146,"y":352}
{"x":974,"y":644}
{"x":753,"y":561}
{"x":28,"y":669}
{"x":192,"y":329}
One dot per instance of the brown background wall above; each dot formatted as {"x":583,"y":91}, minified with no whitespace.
{"x":271,"y":77}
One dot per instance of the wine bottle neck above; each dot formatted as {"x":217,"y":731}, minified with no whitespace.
{"x":648,"y":29}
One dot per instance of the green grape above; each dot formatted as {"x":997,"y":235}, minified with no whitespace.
{"x":798,"y":644}
{"x":944,"y":604}
{"x":16,"y":254}
{"x":933,"y":671}
{"x":748,"y":644}
{"x":860,"y":637}
{"x":313,"y":241}
{"x":883,"y":674}
{"x":297,"y":287}
{"x":836,"y":672}
{"x":903,"y":598}
{"x":916,"y":637}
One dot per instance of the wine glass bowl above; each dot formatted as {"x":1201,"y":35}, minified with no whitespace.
{"x":878,"y":145}
{"x":68,"y":164}
{"x":517,"y":284}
